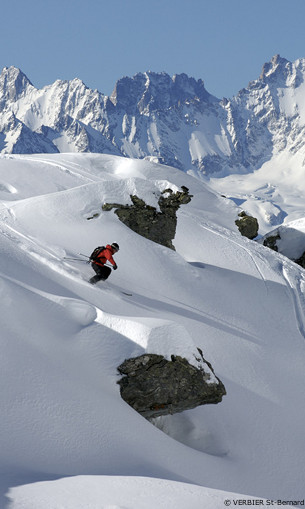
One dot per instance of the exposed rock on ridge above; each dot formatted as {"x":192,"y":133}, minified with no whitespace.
{"x":288,"y":240}
{"x":247,"y":225}
{"x":147,"y":221}
{"x":270,"y":241}
{"x":156,"y":91}
{"x":13,"y":85}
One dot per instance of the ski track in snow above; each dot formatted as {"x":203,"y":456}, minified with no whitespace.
{"x":37,"y":251}
{"x":45,"y":256}
{"x":224,"y":234}
{"x":292,"y":280}
{"x":294,"y":287}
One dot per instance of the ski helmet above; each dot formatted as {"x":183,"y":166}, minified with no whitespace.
{"x":115,"y":246}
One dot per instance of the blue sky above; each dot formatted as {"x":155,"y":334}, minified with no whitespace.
{"x":223,"y":42}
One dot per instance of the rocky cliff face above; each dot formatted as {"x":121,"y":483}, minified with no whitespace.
{"x":154,"y":115}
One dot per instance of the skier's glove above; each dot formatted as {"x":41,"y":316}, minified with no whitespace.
{"x":115,"y":267}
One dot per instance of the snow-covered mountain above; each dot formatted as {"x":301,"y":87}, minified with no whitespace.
{"x":153,"y":115}
{"x":67,"y":438}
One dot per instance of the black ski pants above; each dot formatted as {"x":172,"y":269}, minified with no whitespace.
{"x":102,"y":273}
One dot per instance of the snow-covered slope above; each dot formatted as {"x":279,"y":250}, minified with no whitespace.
{"x":62,"y":340}
{"x":274,"y":194}
{"x":173,"y":119}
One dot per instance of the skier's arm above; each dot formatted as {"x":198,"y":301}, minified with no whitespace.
{"x":110,"y":259}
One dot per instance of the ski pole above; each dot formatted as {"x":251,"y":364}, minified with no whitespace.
{"x":81,"y":254}
{"x":86,"y":256}
{"x":74,"y":259}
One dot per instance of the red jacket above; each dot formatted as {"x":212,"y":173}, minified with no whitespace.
{"x":105,"y":255}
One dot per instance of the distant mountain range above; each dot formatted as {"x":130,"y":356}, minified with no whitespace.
{"x":173,"y":120}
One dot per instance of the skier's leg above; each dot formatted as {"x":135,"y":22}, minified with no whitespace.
{"x":94,"y":279}
{"x":97,"y":269}
{"x":102,"y":273}
{"x":105,"y":272}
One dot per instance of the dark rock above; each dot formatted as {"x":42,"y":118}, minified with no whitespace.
{"x":109,"y":206}
{"x":160,"y":227}
{"x":157,"y":92}
{"x":301,"y":261}
{"x":271,"y":241}
{"x":154,"y":386}
{"x":247,"y":225}
{"x":94,"y":216}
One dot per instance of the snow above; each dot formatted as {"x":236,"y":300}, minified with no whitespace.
{"x":211,"y":139}
{"x":67,"y":438}
{"x":274,"y":194}
{"x":117,"y":493}
{"x":291,"y":97}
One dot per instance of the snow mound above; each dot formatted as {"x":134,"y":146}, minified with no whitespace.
{"x":117,"y":493}
{"x":160,"y":337}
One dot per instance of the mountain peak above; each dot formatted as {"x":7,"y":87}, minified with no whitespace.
{"x":276,"y":64}
{"x":13,"y":73}
{"x":156,"y":90}
{"x":170,"y":118}
{"x":13,"y":83}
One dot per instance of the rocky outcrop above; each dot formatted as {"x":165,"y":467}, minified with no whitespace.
{"x":271,"y":241}
{"x":158,"y":226}
{"x":247,"y":225}
{"x":155,"y":386}
{"x":294,"y":236}
{"x":301,"y":261}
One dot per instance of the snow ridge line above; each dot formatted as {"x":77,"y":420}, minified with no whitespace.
{"x":293,"y":285}
{"x":83,"y":174}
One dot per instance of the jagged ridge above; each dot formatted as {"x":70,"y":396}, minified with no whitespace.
{"x":173,"y":119}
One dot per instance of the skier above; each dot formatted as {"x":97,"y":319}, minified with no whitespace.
{"x":98,"y":263}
